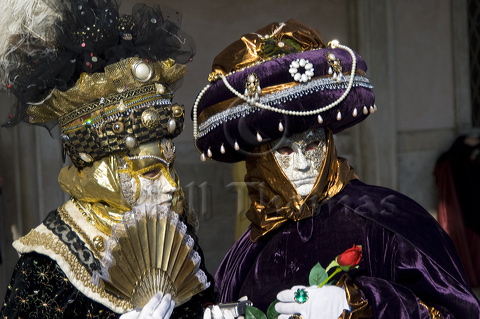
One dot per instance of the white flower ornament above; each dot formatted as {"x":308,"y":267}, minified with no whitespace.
{"x":301,"y":77}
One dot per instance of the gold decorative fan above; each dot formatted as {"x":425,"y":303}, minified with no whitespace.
{"x":148,"y":252}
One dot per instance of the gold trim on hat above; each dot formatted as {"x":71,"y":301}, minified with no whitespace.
{"x":251,"y":48}
{"x":117,"y":78}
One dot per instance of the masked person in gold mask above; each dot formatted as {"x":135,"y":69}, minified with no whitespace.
{"x":124,"y":245}
{"x":321,"y":243}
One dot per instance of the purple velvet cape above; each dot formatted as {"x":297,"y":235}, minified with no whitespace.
{"x":407,"y":257}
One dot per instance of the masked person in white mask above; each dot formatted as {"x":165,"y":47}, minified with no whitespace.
{"x":108,"y":81}
{"x":300,"y":157}
{"x":321,"y":243}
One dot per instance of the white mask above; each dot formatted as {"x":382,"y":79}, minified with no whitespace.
{"x":300,"y":158}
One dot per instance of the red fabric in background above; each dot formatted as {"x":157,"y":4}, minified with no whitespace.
{"x":450,"y":217}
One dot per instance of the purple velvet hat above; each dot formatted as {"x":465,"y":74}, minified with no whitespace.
{"x":278,"y":81}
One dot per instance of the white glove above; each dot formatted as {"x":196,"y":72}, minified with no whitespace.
{"x":159,"y":307}
{"x":222,"y":313}
{"x":217,"y":313}
{"x":327,"y":302}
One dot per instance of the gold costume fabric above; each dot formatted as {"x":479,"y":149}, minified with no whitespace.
{"x":275,"y":199}
{"x":97,"y":188}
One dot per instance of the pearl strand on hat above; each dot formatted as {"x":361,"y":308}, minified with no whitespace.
{"x":333,"y":44}
{"x":195,"y":120}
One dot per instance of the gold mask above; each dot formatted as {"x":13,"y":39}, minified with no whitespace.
{"x":147,"y":174}
{"x":100,"y":190}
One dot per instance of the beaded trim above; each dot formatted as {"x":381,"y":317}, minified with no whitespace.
{"x":432,"y":312}
{"x":115,"y":114}
{"x":65,"y":216}
{"x":283,"y":96}
{"x":102,"y":103}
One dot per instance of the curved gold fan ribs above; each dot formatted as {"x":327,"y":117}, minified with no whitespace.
{"x":148,"y":252}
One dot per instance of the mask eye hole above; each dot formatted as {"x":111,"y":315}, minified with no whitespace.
{"x":312,"y":146}
{"x":286,"y":150}
{"x":152,"y":173}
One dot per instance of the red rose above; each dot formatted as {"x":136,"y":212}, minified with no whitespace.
{"x":350,"y":257}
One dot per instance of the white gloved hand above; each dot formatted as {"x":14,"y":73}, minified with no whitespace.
{"x":327,"y":302}
{"x":159,"y":307}
{"x":215,"y":312}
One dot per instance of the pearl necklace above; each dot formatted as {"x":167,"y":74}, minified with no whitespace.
{"x":333,"y":44}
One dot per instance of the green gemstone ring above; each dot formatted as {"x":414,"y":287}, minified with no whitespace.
{"x":301,"y":295}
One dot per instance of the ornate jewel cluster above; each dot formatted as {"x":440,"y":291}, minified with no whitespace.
{"x":252,"y":87}
{"x":297,"y":75}
{"x":335,"y":68}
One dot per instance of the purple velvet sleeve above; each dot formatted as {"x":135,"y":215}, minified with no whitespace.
{"x":404,"y":281}
{"x":408,"y":263}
